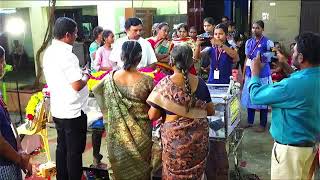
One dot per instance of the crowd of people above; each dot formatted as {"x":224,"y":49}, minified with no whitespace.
{"x":131,"y":103}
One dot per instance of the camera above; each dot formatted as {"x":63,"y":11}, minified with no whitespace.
{"x":205,"y":36}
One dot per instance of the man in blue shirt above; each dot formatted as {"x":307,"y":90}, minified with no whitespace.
{"x":11,"y":160}
{"x":295,"y":103}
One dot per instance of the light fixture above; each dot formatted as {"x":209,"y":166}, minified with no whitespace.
{"x":15,"y":26}
{"x":272,"y":4}
{"x":8,"y":10}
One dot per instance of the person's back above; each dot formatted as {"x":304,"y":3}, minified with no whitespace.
{"x":68,"y":98}
{"x":295,"y":111}
{"x":186,"y":102}
{"x":121,"y":96}
{"x":58,"y":80}
{"x":302,"y":110}
{"x":134,"y":85}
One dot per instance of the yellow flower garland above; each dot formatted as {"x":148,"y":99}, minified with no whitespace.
{"x":32,"y":104}
{"x":93,"y":82}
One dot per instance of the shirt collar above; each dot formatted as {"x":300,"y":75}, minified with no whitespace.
{"x":127,"y":38}
{"x":307,"y":71}
{"x":62,"y":44}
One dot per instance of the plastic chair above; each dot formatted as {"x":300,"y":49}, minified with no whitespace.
{"x":38,"y":126}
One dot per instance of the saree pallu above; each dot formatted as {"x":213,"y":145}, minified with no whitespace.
{"x":128,"y":131}
{"x":162,"y":46}
{"x":185,"y":140}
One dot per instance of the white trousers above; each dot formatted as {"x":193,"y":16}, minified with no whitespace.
{"x":289,"y":162}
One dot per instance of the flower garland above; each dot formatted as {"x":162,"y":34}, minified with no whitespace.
{"x":95,"y":78}
{"x":32,"y":105}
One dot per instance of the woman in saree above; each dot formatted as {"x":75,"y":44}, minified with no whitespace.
{"x":184,"y":39}
{"x":122,"y":96}
{"x":162,"y":46}
{"x":184,"y":102}
{"x":160,"y":43}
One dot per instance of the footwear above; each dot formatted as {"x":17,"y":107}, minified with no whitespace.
{"x":247,"y":126}
{"x":260,"y":129}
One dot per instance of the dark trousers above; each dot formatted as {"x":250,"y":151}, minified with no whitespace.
{"x":263,"y":116}
{"x":96,"y":144}
{"x":217,"y":167}
{"x":71,"y":141}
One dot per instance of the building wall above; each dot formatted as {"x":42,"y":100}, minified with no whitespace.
{"x":281,"y":18}
{"x":26,"y":37}
{"x":110,"y":14}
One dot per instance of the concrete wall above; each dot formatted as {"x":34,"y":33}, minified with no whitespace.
{"x":281,"y":17}
{"x":116,"y":11}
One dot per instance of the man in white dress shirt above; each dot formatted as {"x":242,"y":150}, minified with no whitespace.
{"x":68,"y":99}
{"x":133,"y":28}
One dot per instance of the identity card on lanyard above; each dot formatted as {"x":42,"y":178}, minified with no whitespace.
{"x":249,"y":61}
{"x":216,"y":72}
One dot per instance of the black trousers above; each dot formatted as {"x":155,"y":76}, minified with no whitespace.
{"x":71,"y":142}
{"x":96,"y":144}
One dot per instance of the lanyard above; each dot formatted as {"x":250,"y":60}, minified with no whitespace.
{"x":217,"y":57}
{"x":255,"y":47}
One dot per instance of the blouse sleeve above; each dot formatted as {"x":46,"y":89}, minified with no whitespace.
{"x":202,"y":91}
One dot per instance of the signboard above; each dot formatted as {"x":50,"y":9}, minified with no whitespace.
{"x":234,"y":109}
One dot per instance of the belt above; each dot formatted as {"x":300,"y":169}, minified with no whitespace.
{"x":304,"y":144}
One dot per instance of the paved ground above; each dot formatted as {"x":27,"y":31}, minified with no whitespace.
{"x":256,"y":151}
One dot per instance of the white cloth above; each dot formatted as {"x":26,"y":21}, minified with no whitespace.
{"x":61,"y":68}
{"x":148,"y":56}
{"x":249,"y":62}
{"x":94,"y":112}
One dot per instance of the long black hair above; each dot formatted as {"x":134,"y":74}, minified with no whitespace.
{"x":181,"y":57}
{"x":131,"y":54}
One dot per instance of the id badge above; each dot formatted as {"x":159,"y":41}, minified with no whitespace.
{"x":216,"y":74}
{"x":249,"y":62}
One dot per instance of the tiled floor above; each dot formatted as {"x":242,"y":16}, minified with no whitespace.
{"x":256,"y":151}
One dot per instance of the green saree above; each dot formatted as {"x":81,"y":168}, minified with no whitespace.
{"x":128,"y":127}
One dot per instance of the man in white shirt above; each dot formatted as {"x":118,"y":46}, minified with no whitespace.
{"x":133,"y":28}
{"x":68,"y":99}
